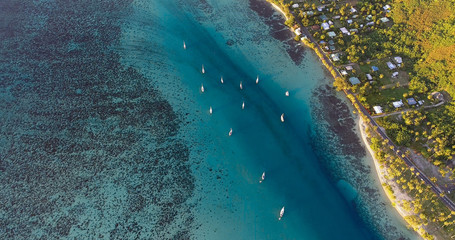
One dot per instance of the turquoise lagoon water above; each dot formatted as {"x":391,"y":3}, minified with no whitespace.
{"x":108,"y":135}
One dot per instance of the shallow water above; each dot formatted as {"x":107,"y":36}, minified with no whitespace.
{"x":107,"y":134}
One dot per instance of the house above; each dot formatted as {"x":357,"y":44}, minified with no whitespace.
{"x":353,"y":10}
{"x":437,"y":96}
{"x":298,"y":32}
{"x":321,"y":8}
{"x":411,"y":101}
{"x":377,"y":109}
{"x":331,"y":34}
{"x":336,"y":17}
{"x":395,"y":74}
{"x":354,"y":30}
{"x":349,"y":67}
{"x":343,"y":72}
{"x":303,"y":38}
{"x":369,"y":77}
{"x":344,"y":31}
{"x":374,"y":68}
{"x":370,"y":23}
{"x":295,"y":5}
{"x":315,"y":27}
{"x":384,"y":19}
{"x":331,"y":42}
{"x":398,"y":104}
{"x":369,"y":17}
{"x":349,"y":21}
{"x":309,"y":13}
{"x":386,"y":8}
{"x":398,"y":60}
{"x":354,"y":80}
{"x":330,"y":22}
{"x":325,"y":26}
{"x":355,"y":16}
{"x":323,"y":17}
{"x":391,"y":65}
{"x":332,"y":48}
{"x":322,"y":42}
{"x":335,"y":57}
{"x":420,"y":102}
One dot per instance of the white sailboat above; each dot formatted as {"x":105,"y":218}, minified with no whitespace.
{"x":286,"y":93}
{"x":257,"y":79}
{"x":210,"y":110}
{"x":243,"y":105}
{"x":230,"y":132}
{"x":282,"y":117}
{"x":241,"y":87}
{"x":203,"y":70}
{"x":262,"y":178}
{"x":184,"y":45}
{"x":222,"y":81}
{"x":202,"y":87}
{"x":281,"y":213}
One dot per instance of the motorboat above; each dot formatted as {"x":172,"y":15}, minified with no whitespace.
{"x":257,"y":79}
{"x":222,"y":81}
{"x":243,"y":105}
{"x":210,"y":110}
{"x":202,"y":87}
{"x":282,"y":117}
{"x":184,"y":45}
{"x":241,"y":87}
{"x":230,"y":132}
{"x":203,"y":70}
{"x":286,"y":93}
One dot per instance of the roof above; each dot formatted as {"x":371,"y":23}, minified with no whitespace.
{"x":325,"y":26}
{"x":331,"y":42}
{"x":377,"y":109}
{"x":336,"y":17}
{"x":335,"y":57}
{"x":349,"y":67}
{"x":343,"y":72}
{"x":398,"y":59}
{"x":395,"y":74}
{"x":295,"y":5}
{"x":384,"y":19}
{"x":353,"y":10}
{"x":374,"y":68}
{"x":331,"y":34}
{"x":332,"y":48}
{"x":298,"y":32}
{"x":344,"y":30}
{"x":349,"y":21}
{"x":354,"y":80}
{"x":411,"y":101}
{"x":391,"y":65}
{"x":437,"y":95}
{"x":323,"y":17}
{"x":369,"y":77}
{"x":398,"y":104}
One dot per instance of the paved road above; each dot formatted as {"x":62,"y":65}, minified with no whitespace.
{"x":408,"y":161}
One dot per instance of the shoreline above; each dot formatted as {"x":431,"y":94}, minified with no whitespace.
{"x":393,"y":197}
{"x":380,"y":173}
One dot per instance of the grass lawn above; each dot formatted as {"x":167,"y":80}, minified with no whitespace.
{"x":387,"y":96}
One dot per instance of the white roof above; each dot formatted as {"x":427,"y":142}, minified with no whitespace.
{"x":377,"y":109}
{"x":349,"y":67}
{"x":353,"y":10}
{"x":384,"y":19}
{"x":295,"y":5}
{"x":398,"y":59}
{"x":331,"y":34}
{"x":335,"y":57}
{"x":391,"y":65}
{"x":298,"y":32}
{"x":330,"y":22}
{"x":325,"y":26}
{"x":369,"y":77}
{"x":349,"y":21}
{"x":398,"y":104}
{"x":386,"y":7}
{"x":394,"y":74}
{"x":370,"y":23}
{"x":343,"y":72}
{"x":344,"y":30}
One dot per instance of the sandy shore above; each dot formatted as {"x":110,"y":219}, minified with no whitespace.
{"x":398,"y":194}
{"x":279,"y":10}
